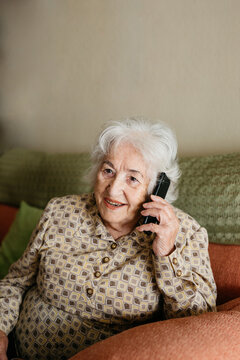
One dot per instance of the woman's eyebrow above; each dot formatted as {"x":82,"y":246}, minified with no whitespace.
{"x":136,"y":172}
{"x":107,"y":162}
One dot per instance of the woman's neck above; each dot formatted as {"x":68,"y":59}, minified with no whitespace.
{"x":120,"y":231}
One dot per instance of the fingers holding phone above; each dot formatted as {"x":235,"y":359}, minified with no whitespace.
{"x":165,"y":227}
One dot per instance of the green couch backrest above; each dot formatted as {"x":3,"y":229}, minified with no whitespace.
{"x":209,"y":189}
{"x":36,"y":177}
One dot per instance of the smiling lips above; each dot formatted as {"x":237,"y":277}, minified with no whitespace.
{"x":113,"y":204}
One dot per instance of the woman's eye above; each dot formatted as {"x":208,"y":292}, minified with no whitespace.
{"x":133,"y":179}
{"x":107,"y":171}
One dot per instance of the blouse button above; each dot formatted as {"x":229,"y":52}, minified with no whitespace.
{"x":97,"y":274}
{"x":179,"y":273}
{"x":113,"y":246}
{"x":89,"y":291}
{"x":175,"y":262}
{"x":105,"y":259}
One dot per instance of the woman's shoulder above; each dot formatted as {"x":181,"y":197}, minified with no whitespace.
{"x":186,"y":220}
{"x":76,"y":200}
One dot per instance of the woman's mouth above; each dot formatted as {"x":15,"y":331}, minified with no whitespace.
{"x":113,"y":204}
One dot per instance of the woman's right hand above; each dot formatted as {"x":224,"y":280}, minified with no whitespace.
{"x":3,"y":346}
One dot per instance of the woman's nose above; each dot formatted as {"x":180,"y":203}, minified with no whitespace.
{"x":116,"y":186}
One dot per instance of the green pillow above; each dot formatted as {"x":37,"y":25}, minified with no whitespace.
{"x":209,"y":191}
{"x":37,"y":176}
{"x":16,"y":240}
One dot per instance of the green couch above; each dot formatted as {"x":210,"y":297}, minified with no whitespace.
{"x":209,"y":190}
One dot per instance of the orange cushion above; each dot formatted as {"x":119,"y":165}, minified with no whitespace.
{"x":209,"y":336}
{"x":225,"y":262}
{"x":7,"y":215}
{"x":230,"y":305}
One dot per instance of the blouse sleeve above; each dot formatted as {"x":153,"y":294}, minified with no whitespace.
{"x":185,"y":277}
{"x":22,"y":275}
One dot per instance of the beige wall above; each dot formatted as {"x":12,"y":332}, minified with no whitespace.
{"x":67,"y":66}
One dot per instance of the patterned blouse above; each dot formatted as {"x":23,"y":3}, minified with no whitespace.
{"x":76,"y":285}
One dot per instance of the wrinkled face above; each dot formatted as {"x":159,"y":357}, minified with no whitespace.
{"x":121,"y":188}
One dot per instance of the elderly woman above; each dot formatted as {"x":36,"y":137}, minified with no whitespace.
{"x":92,"y":269}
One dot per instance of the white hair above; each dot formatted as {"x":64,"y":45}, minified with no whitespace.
{"x":156,"y":143}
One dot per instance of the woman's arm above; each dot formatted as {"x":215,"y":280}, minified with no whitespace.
{"x":21,"y":276}
{"x":181,"y":261}
{"x":185,"y":277}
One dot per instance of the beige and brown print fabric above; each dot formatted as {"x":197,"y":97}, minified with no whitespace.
{"x":76,"y":285}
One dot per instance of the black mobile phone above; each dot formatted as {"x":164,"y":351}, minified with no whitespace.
{"x":160,"y":189}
